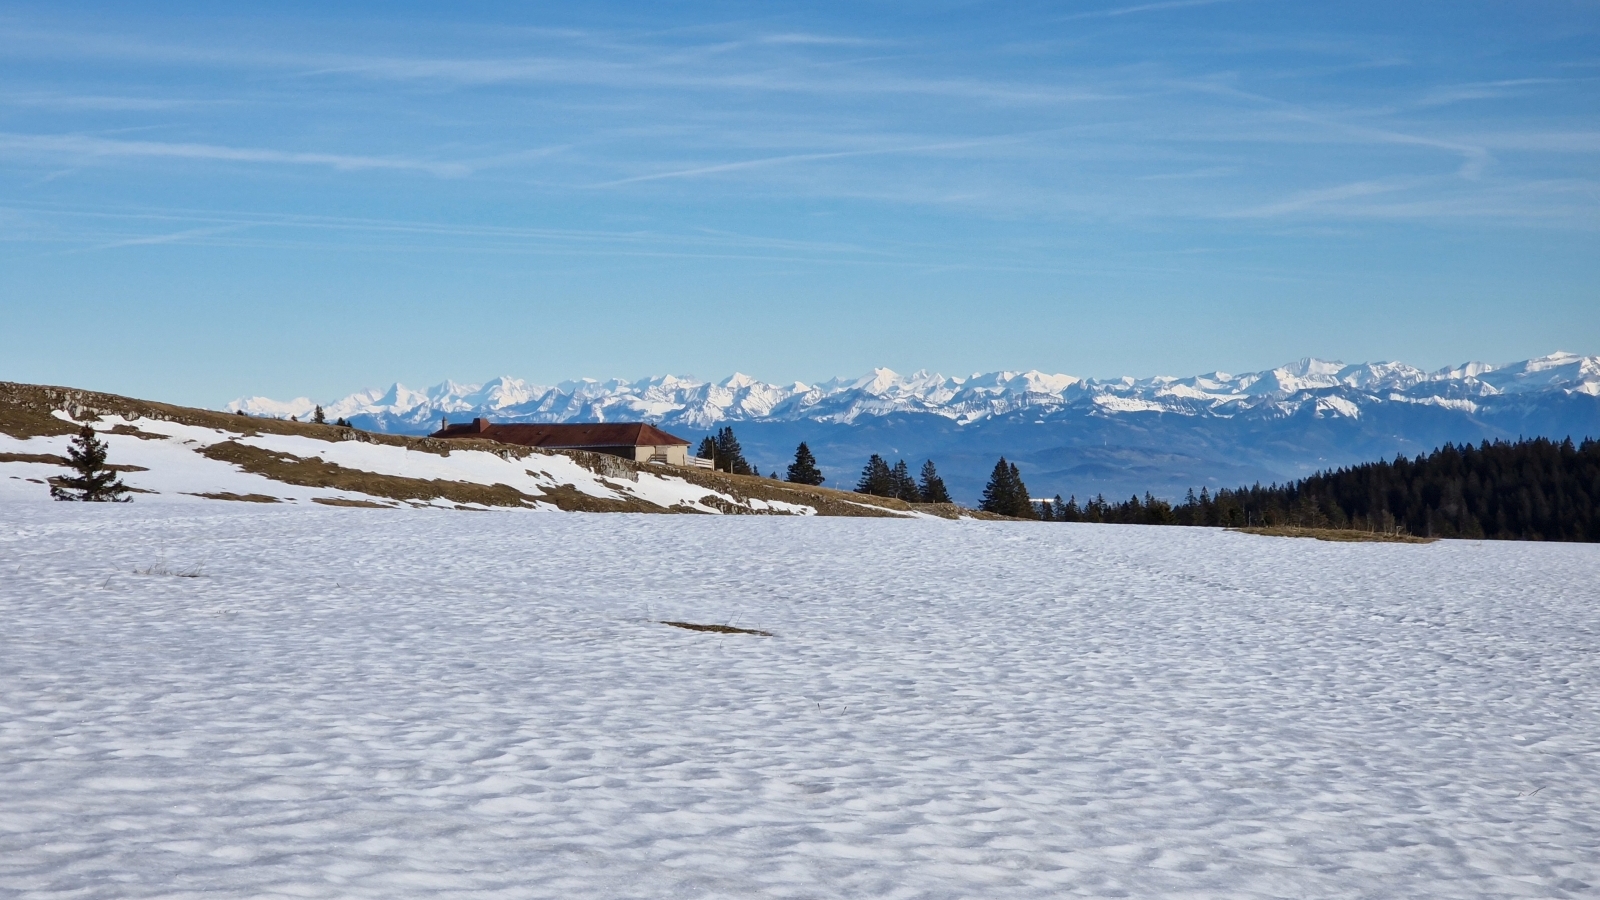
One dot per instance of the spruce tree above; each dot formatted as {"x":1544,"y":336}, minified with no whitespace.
{"x":1006,"y":494}
{"x":876,"y":478}
{"x":708,"y":449}
{"x":1021,"y":503}
{"x":730,"y":456}
{"x":999,"y":495}
{"x":317,"y":418}
{"x":804,"y":468}
{"x":932,"y":487}
{"x":905,"y":487}
{"x":94,"y":483}
{"x":1070,"y":512}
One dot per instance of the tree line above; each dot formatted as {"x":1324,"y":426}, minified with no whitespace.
{"x":878,"y":478}
{"x":726,"y":455}
{"x":1530,"y":489}
{"x":1534,"y":489}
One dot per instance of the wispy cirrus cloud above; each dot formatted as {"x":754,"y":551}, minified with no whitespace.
{"x":102,"y":103}
{"x":619,"y":65}
{"x":89,"y":147}
{"x":613,"y":108}
{"x":818,"y":40}
{"x":170,"y":238}
{"x":1116,"y":11}
{"x":1475,"y":158}
{"x":1540,"y":141}
{"x":1484,"y":90}
{"x":109,"y":228}
{"x":718,"y":168}
{"x":1308,"y":200}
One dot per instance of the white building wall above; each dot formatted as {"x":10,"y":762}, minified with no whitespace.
{"x":676,"y":454}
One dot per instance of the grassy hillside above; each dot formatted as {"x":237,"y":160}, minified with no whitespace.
{"x":32,"y":415}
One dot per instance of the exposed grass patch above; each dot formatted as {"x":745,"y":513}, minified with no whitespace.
{"x":318,"y":473}
{"x":568,"y":497}
{"x":359,"y":504}
{"x":956,"y":511}
{"x":60,"y":481}
{"x":139,"y":433}
{"x":719,"y":629}
{"x":244,"y":498}
{"x":49,"y":459}
{"x":826,"y":501}
{"x":25,"y":411}
{"x":1343,"y":535}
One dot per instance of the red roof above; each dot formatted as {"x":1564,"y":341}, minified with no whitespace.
{"x":566,"y":437}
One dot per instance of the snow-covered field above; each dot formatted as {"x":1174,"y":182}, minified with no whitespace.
{"x":172,"y":466}
{"x":397,"y":703}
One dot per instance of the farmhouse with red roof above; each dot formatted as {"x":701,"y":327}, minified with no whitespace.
{"x":637,"y":441}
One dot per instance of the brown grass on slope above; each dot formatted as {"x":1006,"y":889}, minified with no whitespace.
{"x":1342,"y":535}
{"x":25,"y":411}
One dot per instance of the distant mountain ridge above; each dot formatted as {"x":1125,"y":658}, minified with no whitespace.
{"x":1162,"y":433}
{"x":1332,"y":388}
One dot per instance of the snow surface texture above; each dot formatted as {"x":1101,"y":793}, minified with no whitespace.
{"x":176,"y":470}
{"x":400,"y":703}
{"x":1332,"y":389}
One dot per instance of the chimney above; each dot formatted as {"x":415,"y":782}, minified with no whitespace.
{"x":444,"y":423}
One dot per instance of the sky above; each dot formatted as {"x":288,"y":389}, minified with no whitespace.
{"x":203,"y":201}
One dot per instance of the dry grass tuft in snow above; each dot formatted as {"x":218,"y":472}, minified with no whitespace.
{"x":719,"y":629}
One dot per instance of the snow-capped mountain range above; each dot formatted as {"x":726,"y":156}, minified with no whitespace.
{"x":1068,"y":435}
{"x":1324,"y":388}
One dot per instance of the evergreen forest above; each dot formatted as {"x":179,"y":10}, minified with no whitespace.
{"x":1534,"y":489}
{"x":880,"y":479}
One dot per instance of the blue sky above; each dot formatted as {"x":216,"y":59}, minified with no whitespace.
{"x":312,"y":198}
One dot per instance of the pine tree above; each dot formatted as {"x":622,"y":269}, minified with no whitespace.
{"x":804,"y":468}
{"x":730,"y":456}
{"x":905,"y":487}
{"x":932,"y":486}
{"x":94,"y":482}
{"x":876,"y":478}
{"x":318,"y":418}
{"x":708,"y":449}
{"x":342,"y":422}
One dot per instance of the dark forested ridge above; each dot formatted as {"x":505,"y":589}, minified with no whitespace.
{"x":1538,"y":489}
